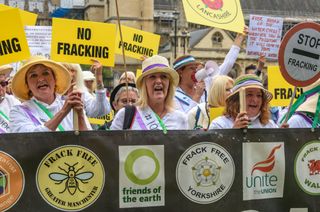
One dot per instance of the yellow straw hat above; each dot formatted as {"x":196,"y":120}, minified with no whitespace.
{"x":62,"y":77}
{"x":5,"y":69}
{"x":157,"y":64}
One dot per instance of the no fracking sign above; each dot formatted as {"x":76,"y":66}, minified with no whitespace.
{"x":299,"y":54}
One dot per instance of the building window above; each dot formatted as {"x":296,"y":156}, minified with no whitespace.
{"x":217,"y":38}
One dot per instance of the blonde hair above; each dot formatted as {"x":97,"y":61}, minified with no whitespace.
{"x":79,"y":78}
{"x":233,"y":107}
{"x":123,"y":77}
{"x":169,"y":101}
{"x":217,"y":93}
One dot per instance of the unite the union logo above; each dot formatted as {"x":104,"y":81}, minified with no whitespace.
{"x":263,"y":170}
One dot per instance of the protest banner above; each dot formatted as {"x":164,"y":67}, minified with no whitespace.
{"x":299,"y":56}
{"x":281,"y":90}
{"x":27,"y":18}
{"x":137,"y":43}
{"x":215,"y":13}
{"x":78,"y":41}
{"x":13,"y":42}
{"x":39,"y":40}
{"x":264,"y":36}
{"x":214,"y":170}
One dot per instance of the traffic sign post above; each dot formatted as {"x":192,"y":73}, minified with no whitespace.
{"x":299,"y":54}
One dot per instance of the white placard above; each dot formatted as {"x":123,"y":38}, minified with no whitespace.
{"x":264,"y":36}
{"x":39,"y":40}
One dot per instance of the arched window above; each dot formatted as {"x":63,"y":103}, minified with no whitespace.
{"x":217,"y":38}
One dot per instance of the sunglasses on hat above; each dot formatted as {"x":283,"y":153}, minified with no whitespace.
{"x":4,"y":83}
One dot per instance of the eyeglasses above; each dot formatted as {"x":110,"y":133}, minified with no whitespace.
{"x":124,"y":101}
{"x":4,"y":83}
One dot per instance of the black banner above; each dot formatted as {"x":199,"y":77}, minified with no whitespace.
{"x":202,"y":171}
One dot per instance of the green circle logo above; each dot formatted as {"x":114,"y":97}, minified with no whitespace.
{"x":131,"y":159}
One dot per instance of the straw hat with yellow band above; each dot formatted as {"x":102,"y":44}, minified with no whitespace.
{"x":19,"y":84}
{"x":5,"y":69}
{"x":157,"y":64}
{"x":249,"y":81}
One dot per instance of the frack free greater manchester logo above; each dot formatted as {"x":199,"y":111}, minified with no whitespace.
{"x":216,"y":11}
{"x":205,"y":172}
{"x":70,"y":178}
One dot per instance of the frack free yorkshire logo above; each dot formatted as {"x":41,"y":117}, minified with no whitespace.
{"x":216,"y":11}
{"x":307,"y":168}
{"x":70,"y":178}
{"x":205,"y":172}
{"x":11,"y":181}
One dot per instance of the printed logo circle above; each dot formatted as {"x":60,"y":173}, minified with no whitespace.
{"x":11,"y":181}
{"x":307,"y":168}
{"x":205,"y":172}
{"x":299,"y":54}
{"x":70,"y":178}
{"x":214,"y":10}
{"x":132,"y":159}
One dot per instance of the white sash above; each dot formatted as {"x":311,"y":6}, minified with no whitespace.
{"x":4,"y":124}
{"x":146,"y":120}
{"x":184,"y":100}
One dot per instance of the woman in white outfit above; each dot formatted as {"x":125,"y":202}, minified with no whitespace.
{"x":198,"y":117}
{"x":155,"y":109}
{"x":40,"y":83}
{"x":256,"y":114}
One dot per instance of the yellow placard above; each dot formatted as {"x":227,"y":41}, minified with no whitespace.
{"x":282,"y":91}
{"x":137,"y":43}
{"x":78,"y":41}
{"x":138,"y":73}
{"x":215,"y":112}
{"x":224,"y":14}
{"x":13,"y":41}
{"x":27,"y":18}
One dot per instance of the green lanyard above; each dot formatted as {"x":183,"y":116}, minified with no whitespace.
{"x":4,"y":115}
{"x":164,"y":128}
{"x":49,"y":114}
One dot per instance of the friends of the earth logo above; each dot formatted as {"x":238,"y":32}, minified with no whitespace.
{"x":141,"y":180}
{"x":263,"y":170}
{"x":70,"y":178}
{"x":307,"y":168}
{"x":216,"y":11}
{"x":205,"y":172}
{"x":11,"y":181}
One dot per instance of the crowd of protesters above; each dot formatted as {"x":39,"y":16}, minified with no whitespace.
{"x":45,"y":95}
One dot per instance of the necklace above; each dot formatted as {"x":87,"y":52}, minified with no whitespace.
{"x":162,"y":113}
